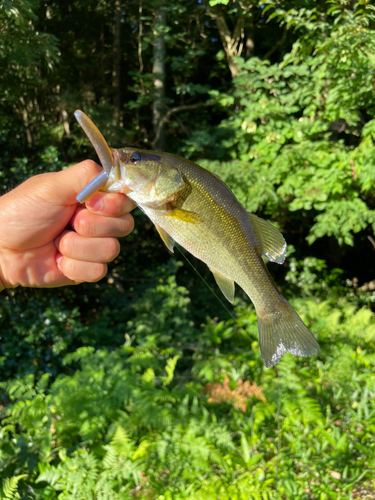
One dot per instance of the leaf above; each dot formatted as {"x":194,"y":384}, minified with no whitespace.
{"x":170,"y":368}
{"x":9,"y":487}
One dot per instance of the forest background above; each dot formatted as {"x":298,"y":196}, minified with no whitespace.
{"x":143,"y":385}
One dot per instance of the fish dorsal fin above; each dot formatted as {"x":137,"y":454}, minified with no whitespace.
{"x":226,"y":285}
{"x":168,"y":240}
{"x":271,"y":241}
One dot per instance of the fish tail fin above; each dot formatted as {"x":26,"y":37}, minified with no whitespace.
{"x":281,"y":331}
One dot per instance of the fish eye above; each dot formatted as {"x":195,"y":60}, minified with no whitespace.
{"x":136,"y":158}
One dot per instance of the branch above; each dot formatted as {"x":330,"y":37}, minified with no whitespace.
{"x":232,"y":42}
{"x":371,"y":241}
{"x":171,"y":112}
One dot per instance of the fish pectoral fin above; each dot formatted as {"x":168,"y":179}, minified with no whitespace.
{"x":272,"y":242}
{"x":168,"y":240}
{"x":226,"y":285}
{"x":184,"y":216}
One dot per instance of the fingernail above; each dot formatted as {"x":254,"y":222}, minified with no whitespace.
{"x":96,"y":203}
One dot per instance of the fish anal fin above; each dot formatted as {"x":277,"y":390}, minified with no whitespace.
{"x":226,"y":285}
{"x":168,"y":240}
{"x":272,"y":242}
{"x":281,"y":331}
{"x":184,"y":216}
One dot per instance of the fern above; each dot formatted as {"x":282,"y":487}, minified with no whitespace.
{"x":9,"y":487}
{"x":170,"y":368}
{"x":78,"y":355}
{"x":110,"y":457}
{"x":131,"y":435}
{"x":50,"y":476}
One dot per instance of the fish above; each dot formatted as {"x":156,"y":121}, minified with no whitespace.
{"x":194,"y":208}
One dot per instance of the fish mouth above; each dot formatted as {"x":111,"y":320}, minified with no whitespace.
{"x":114,"y":174}
{"x":115,"y":181}
{"x":110,"y":178}
{"x":102,"y":181}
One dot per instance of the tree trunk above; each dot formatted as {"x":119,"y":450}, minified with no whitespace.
{"x":158,"y":70}
{"x":117,"y":115}
{"x":25,"y":119}
{"x":232,"y":42}
{"x":249,"y":46}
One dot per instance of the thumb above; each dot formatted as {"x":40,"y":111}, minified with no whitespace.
{"x":61,"y":188}
{"x":40,"y":208}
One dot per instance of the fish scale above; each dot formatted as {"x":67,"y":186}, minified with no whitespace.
{"x":195,"y":208}
{"x":237,"y":242}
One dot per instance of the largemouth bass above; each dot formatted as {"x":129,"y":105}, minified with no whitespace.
{"x":193,"y":207}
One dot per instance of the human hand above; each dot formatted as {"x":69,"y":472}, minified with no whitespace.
{"x":37,"y":249}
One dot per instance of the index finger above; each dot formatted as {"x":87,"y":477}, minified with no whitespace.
{"x":110,"y":204}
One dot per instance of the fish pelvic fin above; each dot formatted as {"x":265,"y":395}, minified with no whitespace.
{"x":282,"y":331}
{"x":168,"y":240}
{"x":226,"y":285}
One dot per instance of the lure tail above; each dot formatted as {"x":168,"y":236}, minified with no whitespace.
{"x":102,"y":150}
{"x":283,"y":331}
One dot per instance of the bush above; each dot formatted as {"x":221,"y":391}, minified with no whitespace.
{"x":132,"y":423}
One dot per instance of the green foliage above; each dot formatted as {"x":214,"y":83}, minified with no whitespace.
{"x":120,"y":428}
{"x":44,"y":333}
{"x":105,"y":388}
{"x":286,"y":121}
{"x":310,"y":277}
{"x":22,"y":48}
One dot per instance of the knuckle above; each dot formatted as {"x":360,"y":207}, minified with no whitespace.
{"x":68,"y":267}
{"x":63,"y":246}
{"x":129,"y":224}
{"x":83,"y":225}
{"x":84,"y":271}
{"x":90,"y":167}
{"x":112,"y":249}
{"x":64,"y":243}
{"x":98,"y":271}
{"x":91,"y":164}
{"x":118,"y":205}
